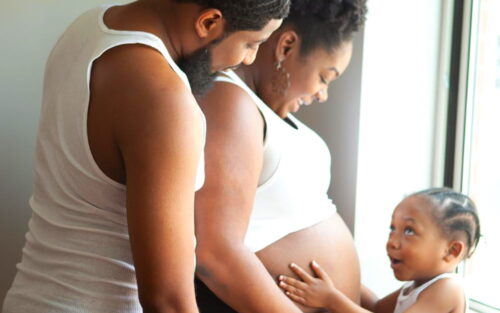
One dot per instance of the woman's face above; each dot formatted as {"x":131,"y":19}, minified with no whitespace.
{"x":309,"y":77}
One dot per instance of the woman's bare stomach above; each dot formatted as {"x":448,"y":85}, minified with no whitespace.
{"x":329,"y":243}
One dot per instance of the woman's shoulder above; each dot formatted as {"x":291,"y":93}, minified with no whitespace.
{"x":229,"y":104}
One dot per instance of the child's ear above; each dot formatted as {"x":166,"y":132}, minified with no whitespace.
{"x":456,"y":249}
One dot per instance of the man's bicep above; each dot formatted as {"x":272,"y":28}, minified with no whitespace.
{"x":161,"y":147}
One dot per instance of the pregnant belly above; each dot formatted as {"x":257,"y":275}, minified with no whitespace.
{"x":329,"y":243}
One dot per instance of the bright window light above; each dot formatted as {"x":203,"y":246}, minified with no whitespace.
{"x":481,"y":179}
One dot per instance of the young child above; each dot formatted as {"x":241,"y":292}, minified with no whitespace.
{"x":431,"y":232}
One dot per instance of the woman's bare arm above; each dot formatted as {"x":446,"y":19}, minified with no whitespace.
{"x":233,"y":157}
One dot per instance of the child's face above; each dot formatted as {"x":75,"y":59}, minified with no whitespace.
{"x":416,"y":246}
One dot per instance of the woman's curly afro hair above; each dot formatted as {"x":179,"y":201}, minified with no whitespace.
{"x":325,"y":23}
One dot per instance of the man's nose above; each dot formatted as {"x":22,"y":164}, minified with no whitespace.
{"x":250,"y":57}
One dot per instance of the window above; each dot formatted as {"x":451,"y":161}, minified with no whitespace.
{"x":475,"y":151}
{"x":497,"y":84}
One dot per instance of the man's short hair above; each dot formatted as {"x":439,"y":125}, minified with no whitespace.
{"x":246,"y":14}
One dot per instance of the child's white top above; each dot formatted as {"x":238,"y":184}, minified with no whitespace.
{"x":407,"y":299}
{"x":77,"y":254}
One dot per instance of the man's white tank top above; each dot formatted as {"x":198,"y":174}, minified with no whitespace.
{"x":407,"y":298}
{"x":77,"y":254}
{"x":293,"y":185}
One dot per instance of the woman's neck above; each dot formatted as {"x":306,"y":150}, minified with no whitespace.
{"x":248,"y":75}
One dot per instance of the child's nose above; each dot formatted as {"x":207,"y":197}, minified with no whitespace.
{"x":393,"y":242}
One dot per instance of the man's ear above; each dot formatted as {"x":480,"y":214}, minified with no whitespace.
{"x":456,"y":249}
{"x":288,"y":42}
{"x":209,"y":24}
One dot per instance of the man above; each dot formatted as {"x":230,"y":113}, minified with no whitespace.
{"x":119,"y":153}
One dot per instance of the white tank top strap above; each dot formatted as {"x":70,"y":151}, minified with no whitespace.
{"x":229,"y":76}
{"x":407,"y":296}
{"x":432,"y":281}
{"x":141,"y":37}
{"x":225,"y":77}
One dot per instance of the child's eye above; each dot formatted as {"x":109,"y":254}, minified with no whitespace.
{"x":323,"y":80}
{"x":409,"y":231}
{"x":392,"y":228}
{"x":252,"y":46}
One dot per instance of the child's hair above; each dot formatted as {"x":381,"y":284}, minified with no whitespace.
{"x":455,"y":212}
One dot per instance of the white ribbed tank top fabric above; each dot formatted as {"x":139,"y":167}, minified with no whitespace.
{"x":293,"y":185}
{"x":407,"y":299}
{"x":77,"y":254}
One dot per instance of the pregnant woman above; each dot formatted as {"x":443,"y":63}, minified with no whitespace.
{"x":264,"y":203}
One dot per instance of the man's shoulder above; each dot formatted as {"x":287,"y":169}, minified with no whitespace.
{"x":137,"y":85}
{"x":142,"y":66}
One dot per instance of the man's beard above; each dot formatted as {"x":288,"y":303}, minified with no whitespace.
{"x":196,"y":66}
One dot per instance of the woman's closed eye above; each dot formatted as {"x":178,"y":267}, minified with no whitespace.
{"x":323,"y":80}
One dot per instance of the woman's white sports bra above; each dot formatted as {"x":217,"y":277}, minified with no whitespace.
{"x":295,"y":177}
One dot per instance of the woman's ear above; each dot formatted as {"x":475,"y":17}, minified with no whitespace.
{"x":288,"y":42}
{"x":209,"y":24}
{"x":456,"y":249}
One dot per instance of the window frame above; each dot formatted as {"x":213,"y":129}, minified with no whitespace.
{"x":454,"y":116}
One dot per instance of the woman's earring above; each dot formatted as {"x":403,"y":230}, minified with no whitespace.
{"x":280,"y":80}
